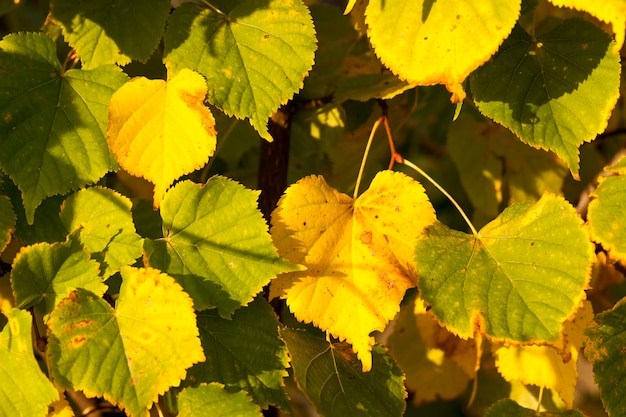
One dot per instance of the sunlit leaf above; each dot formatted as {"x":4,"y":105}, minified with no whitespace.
{"x":609,"y":11}
{"x":24,"y":389}
{"x":358,"y":254}
{"x":431,"y":372}
{"x":216,"y":244}
{"x":43,"y":274}
{"x":161,"y":130}
{"x":509,"y":408}
{"x":606,"y":214}
{"x":105,"y":225}
{"x":254,"y":54}
{"x":213,"y":400}
{"x":111,"y":31}
{"x":542,"y":88}
{"x":332,"y":379}
{"x":440,"y":41}
{"x":349,"y":7}
{"x":518,"y":280}
{"x":131,"y":354}
{"x":605,"y":350}
{"x":52,"y":123}
{"x":547,"y":366}
{"x":244,"y":352}
{"x":7,"y":222}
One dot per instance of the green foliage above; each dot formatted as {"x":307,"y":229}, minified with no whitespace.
{"x":180,"y":296}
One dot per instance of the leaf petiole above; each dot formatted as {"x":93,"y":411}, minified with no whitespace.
{"x":367,"y":151}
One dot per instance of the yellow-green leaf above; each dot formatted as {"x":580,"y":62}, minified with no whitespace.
{"x":609,"y":11}
{"x":552,"y":367}
{"x":131,"y":354}
{"x":161,"y":130}
{"x":357,"y":253}
{"x":440,"y":41}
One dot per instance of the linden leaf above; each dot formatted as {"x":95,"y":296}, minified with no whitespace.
{"x":111,"y":31}
{"x":547,"y":366}
{"x":213,"y":400}
{"x":161,"y":130}
{"x":357,"y":253}
{"x":509,"y":408}
{"x":331,"y":378}
{"x":244,"y":352}
{"x":554,"y":89}
{"x":606,"y":214}
{"x":241,"y":48}
{"x":215,"y":244}
{"x":24,"y":388}
{"x":431,"y":372}
{"x":519,"y":279}
{"x":52,"y":123}
{"x":129,"y":355}
{"x":440,"y":41}
{"x":7,"y":222}
{"x":43,"y":274}
{"x":105,"y":226}
{"x":609,"y":11}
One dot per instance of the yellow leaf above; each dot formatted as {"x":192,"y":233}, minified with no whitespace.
{"x":161,"y":130}
{"x":358,"y":254}
{"x":440,"y":41}
{"x":349,"y":7}
{"x":609,"y":11}
{"x":552,"y":367}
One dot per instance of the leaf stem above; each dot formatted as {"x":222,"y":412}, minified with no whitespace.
{"x":367,"y":151}
{"x":443,"y":191}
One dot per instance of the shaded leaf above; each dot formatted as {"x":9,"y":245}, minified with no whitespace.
{"x":606,"y":214}
{"x":542,"y":88}
{"x":43,"y":274}
{"x":213,"y":400}
{"x":605,"y":350}
{"x":552,"y":367}
{"x":131,"y":354}
{"x":509,"y":408}
{"x":161,"y":130}
{"x":24,"y":389}
{"x":111,"y":31}
{"x":105,"y":226}
{"x":216,"y":244}
{"x":254,"y":54}
{"x":244,"y":352}
{"x":441,"y":41}
{"x":52,"y":123}
{"x":519,"y":279}
{"x":7,"y":222}
{"x":611,"y":11}
{"x":357,"y":253}
{"x":331,"y":377}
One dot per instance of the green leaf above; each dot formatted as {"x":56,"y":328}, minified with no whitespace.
{"x":111,"y":31}
{"x":244,"y":353}
{"x":216,"y":244}
{"x":43,"y":274}
{"x":52,"y":124}
{"x":213,"y":400}
{"x":105,"y":226}
{"x":7,"y":222}
{"x":254,"y":54}
{"x":331,"y":377}
{"x":519,"y":279}
{"x":606,"y":214}
{"x":605,"y":351}
{"x":129,"y":355}
{"x":554,"y":92}
{"x":509,"y":408}
{"x":492,"y":163}
{"x":24,"y":389}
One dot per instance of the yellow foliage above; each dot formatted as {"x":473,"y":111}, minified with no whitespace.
{"x":160,"y":130}
{"x":358,"y":254}
{"x":552,"y":367}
